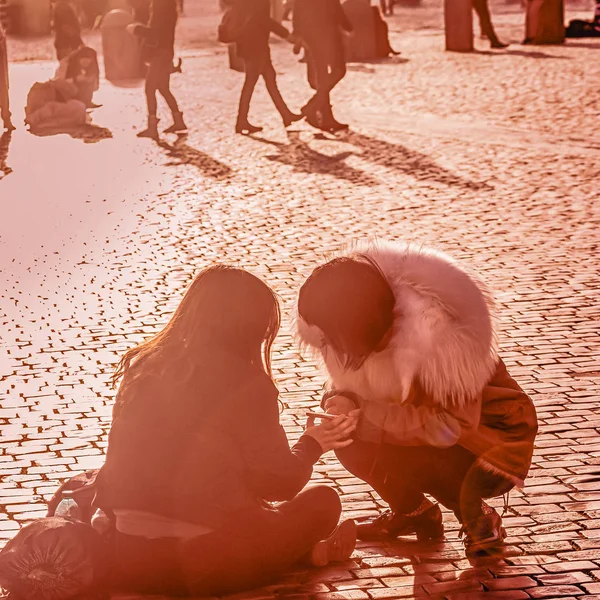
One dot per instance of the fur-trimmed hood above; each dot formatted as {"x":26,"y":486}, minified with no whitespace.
{"x":443,"y":333}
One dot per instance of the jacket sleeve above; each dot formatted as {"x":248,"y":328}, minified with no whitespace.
{"x":278,"y":29}
{"x":411,"y":425}
{"x":343,"y":19}
{"x":274,"y":471}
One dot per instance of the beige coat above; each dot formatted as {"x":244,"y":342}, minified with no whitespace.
{"x":439,"y":381}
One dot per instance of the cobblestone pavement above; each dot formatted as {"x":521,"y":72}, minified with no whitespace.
{"x":493,"y":157}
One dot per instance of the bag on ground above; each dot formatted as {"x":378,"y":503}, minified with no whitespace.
{"x":55,"y":559}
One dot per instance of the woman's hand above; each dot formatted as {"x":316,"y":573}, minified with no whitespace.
{"x":333,"y":434}
{"x":339,"y":405}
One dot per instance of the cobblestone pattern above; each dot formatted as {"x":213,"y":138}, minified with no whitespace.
{"x":490,"y":157}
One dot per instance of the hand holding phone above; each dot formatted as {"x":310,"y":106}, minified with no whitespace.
{"x":320,"y":415}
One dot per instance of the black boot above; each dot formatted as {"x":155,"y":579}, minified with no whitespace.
{"x":483,"y":534}
{"x":178,"y":124}
{"x":330,"y":123}
{"x":425,"y":522}
{"x":151,"y":131}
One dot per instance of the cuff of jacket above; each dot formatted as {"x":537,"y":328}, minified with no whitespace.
{"x":308,"y":448}
{"x":371,"y":425}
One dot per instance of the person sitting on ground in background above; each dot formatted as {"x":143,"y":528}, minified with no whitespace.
{"x":407,"y":336}
{"x":159,"y":40}
{"x":197,"y":456}
{"x":482,"y":9}
{"x":81,"y":69}
{"x":319,"y":24}
{"x":67,"y":30}
{"x":253,"y":47}
{"x":4,"y":99}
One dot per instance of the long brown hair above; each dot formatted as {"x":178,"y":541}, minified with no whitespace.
{"x":224,"y":307}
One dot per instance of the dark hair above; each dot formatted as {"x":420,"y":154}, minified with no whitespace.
{"x":351,"y":302}
{"x":225,"y":308}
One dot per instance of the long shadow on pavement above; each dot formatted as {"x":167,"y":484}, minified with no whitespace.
{"x":89,"y":134}
{"x":410,"y":162}
{"x":184,"y":154}
{"x":299,"y":155}
{"x":533,"y":54}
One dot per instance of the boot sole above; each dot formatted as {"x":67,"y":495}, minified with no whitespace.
{"x":487,"y":546}
{"x":338,"y":547}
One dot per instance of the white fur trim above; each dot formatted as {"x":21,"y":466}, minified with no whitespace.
{"x":443,"y":334}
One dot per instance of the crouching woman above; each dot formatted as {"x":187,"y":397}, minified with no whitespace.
{"x":197,"y":458}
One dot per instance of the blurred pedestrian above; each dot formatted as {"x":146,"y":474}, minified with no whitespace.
{"x":80,"y":68}
{"x":482,"y":9}
{"x":159,"y":44}
{"x":319,"y":25}
{"x":208,"y":496}
{"x":253,"y":48}
{"x":67,"y":29}
{"x":4,"y":100}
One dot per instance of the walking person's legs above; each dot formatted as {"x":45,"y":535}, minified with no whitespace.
{"x":337,"y":71}
{"x":164,"y":88}
{"x":4,"y":99}
{"x":253,"y":70}
{"x":152,"y":82}
{"x":270,"y":78}
{"x":482,"y":9}
{"x":318,"y":78}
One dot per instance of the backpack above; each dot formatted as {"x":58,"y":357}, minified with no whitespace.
{"x":233,"y":25}
{"x":55,"y":559}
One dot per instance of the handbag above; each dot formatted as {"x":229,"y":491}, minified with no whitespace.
{"x":233,"y":25}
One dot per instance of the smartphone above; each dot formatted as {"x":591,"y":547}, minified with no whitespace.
{"x":320,"y":415}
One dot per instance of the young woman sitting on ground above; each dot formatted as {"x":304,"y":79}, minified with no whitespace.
{"x":197,"y":456}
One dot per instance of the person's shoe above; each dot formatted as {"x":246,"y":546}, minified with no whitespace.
{"x":246,"y":128}
{"x":291,"y":118}
{"x":425,"y":522}
{"x":334,"y":126}
{"x":178,"y":124}
{"x":93,"y":105}
{"x":498,"y":45}
{"x":177,"y":66}
{"x":338,"y":547}
{"x":484,"y":534}
{"x":8,"y":125}
{"x":151,"y":131}
{"x":312,"y":115}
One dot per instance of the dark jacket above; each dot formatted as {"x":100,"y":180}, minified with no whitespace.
{"x":159,"y":34}
{"x":316,"y":21}
{"x":206,"y":454}
{"x":254,"y":42}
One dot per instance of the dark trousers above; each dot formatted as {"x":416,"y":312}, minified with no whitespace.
{"x":255,"y":67}
{"x":326,"y":67}
{"x":482,"y":9}
{"x":250,"y":553}
{"x":158,"y":79}
{"x":4,"y":103}
{"x":402,"y":474}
